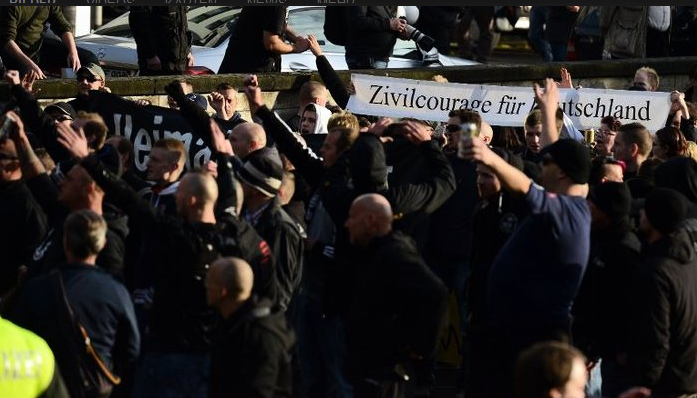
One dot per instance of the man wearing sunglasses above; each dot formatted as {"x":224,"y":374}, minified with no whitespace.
{"x":89,"y":77}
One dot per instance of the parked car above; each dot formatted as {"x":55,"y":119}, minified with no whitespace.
{"x":212,"y":26}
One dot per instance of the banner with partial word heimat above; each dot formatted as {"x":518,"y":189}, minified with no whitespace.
{"x":501,"y":105}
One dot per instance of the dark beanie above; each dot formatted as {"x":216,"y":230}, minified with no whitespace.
{"x":680,"y":174}
{"x":612,"y":198}
{"x":367,"y":164}
{"x":261,"y":172}
{"x":572,"y":157}
{"x":665,"y":209}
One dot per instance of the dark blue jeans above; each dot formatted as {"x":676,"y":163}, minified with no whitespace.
{"x":536,"y":32}
{"x":172,"y":376}
{"x":321,"y":350}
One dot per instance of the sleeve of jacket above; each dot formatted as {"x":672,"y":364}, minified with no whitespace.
{"x":39,"y":123}
{"x":9,"y":18}
{"x":127,"y":344}
{"x":46,"y":194}
{"x":228,"y":200}
{"x":332,"y":81}
{"x":687,"y":126}
{"x":59,"y":24}
{"x":652,"y":330}
{"x":363,"y":22}
{"x":430,"y":194}
{"x":288,"y":248}
{"x":336,"y":193}
{"x":139,"y":21}
{"x":120,"y":194}
{"x":305,"y":160}
{"x":195,"y":116}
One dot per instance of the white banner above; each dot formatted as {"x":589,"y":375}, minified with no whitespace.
{"x":501,"y":105}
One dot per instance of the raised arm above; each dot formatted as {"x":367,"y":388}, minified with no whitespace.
{"x":548,"y":101}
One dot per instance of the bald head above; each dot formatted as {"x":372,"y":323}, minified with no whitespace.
{"x":370,"y":216}
{"x":486,"y":133}
{"x":246,"y":138}
{"x":229,"y":283}
{"x":197,"y":190}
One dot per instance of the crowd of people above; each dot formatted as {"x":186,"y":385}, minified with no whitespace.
{"x":284,"y":268}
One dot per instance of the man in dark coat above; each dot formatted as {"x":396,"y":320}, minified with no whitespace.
{"x":251,"y":355}
{"x":664,"y":340}
{"x":163,"y":40}
{"x":399,"y":307}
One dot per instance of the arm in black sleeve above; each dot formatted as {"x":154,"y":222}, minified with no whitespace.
{"x":119,"y":193}
{"x":687,"y":126}
{"x":46,"y":194}
{"x":306,"y":161}
{"x":336,"y":194}
{"x":39,"y":123}
{"x":332,"y":81}
{"x":228,"y":201}
{"x":192,"y":113}
{"x":362,"y":22}
{"x":430,"y":194}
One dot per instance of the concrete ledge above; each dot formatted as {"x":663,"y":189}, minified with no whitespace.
{"x":281,"y":88}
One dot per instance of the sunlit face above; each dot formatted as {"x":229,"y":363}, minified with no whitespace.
{"x":605,"y":140}
{"x":487,"y":182}
{"x":329,"y":150}
{"x":641,"y":78}
{"x":87,"y":81}
{"x":160,"y":165}
{"x":532,"y":138}
{"x":308,"y":122}
{"x":229,"y":100}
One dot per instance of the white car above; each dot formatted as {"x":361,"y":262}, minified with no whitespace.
{"x":211,"y":27}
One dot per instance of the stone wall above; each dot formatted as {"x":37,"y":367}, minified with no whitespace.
{"x":281,"y":89}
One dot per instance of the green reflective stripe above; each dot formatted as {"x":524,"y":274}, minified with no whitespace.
{"x":26,"y":362}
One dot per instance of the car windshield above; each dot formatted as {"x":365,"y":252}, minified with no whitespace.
{"x":211,"y":26}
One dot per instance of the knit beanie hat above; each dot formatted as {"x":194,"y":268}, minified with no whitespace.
{"x":612,"y":198}
{"x":665,"y":209}
{"x":262,"y":173}
{"x":572,"y":157}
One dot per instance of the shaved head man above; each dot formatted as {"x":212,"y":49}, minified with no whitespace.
{"x":229,"y":284}
{"x":370,"y":216}
{"x":196,"y":196}
{"x":486,"y":133}
{"x":251,"y":336}
{"x":246,"y":138}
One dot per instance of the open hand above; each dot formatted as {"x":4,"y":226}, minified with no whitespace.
{"x":73,"y":141}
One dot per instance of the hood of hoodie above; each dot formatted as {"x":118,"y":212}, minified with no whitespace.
{"x":676,"y":246}
{"x":323,"y":115}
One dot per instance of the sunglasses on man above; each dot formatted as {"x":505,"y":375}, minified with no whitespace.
{"x":88,"y":78}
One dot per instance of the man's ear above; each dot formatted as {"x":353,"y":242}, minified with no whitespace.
{"x":555,"y":393}
{"x":634,"y":149}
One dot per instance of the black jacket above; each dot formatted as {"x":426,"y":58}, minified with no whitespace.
{"x":24,"y":227}
{"x":161,"y":31}
{"x":665,"y":333}
{"x":180,"y":320}
{"x":50,"y":252}
{"x":286,"y":240}
{"x":601,"y":309}
{"x":398,"y":311}
{"x":251,"y":354}
{"x":369,"y":31}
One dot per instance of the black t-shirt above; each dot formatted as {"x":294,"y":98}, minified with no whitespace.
{"x":246,"y":52}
